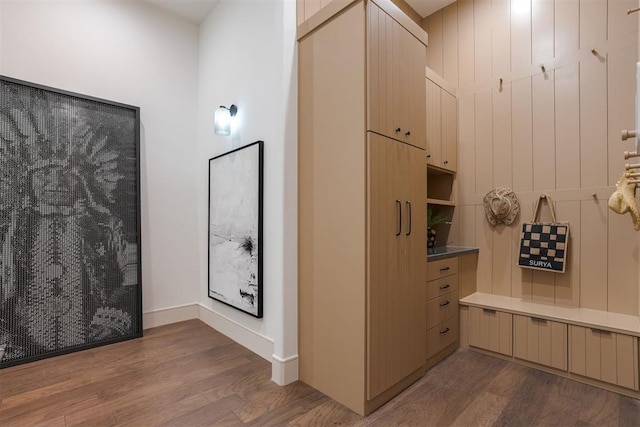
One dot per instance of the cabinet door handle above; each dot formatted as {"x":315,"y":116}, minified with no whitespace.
{"x":398,"y":130}
{"x":444,"y":331}
{"x":446,"y":162}
{"x":408,"y":133}
{"x":445,"y":286}
{"x":539,"y":319}
{"x":409,"y":215}
{"x":488,"y":311}
{"x":399,"y":204}
{"x":445,"y":268}
{"x":601,"y":331}
{"x":428,"y":156}
{"x":444,"y":304}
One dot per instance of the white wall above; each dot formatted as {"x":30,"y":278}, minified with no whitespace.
{"x":247,"y":58}
{"x":136,"y":54}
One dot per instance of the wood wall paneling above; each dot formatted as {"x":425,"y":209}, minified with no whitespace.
{"x":467,"y":220}
{"x":567,"y":288}
{"x":501,"y":38}
{"x":482,"y":37}
{"x":621,"y":107}
{"x":522,"y":131}
{"x":563,"y":130}
{"x":544,"y":140}
{"x":593,"y":23}
{"x":435,"y":42}
{"x":622,"y":27}
{"x":466,"y":44}
{"x":502,"y":151}
{"x":450,"y":43}
{"x":622,"y":271}
{"x":484,"y":241}
{"x":567,"y":27}
{"x":466,"y":176}
{"x":593,"y":121}
{"x":484,"y":142}
{"x":567,"y":123}
{"x":542,"y":32}
{"x":593,"y":255}
{"x":520,"y":35}
{"x":502,"y":260}
{"x":521,"y":278}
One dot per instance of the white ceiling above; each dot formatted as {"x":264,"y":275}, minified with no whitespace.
{"x":197,"y":10}
{"x":427,"y":7}
{"x":193,"y":10}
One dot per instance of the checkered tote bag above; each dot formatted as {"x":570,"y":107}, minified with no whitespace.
{"x":543,"y":245}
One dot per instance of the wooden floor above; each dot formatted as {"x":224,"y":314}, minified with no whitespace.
{"x":187,"y":374}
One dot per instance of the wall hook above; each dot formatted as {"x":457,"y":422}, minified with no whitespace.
{"x":630,"y":11}
{"x":544,"y":70}
{"x":595,"y":52}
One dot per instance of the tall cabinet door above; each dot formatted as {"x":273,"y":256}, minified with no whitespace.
{"x":415,"y":257}
{"x":396,"y":262}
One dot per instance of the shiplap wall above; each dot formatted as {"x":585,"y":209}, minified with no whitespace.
{"x":556,"y":131}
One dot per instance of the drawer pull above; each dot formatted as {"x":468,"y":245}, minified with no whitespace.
{"x":447,"y":286}
{"x":444,"y":304}
{"x":444,"y":268}
{"x":539,"y":319}
{"x":444,"y":331}
{"x":601,"y":331}
{"x":489,"y":311}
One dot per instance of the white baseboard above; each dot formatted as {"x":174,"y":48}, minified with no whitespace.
{"x":284,"y":371}
{"x":258,"y":343}
{"x":166,"y":316}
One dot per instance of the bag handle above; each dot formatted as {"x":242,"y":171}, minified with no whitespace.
{"x":536,"y":209}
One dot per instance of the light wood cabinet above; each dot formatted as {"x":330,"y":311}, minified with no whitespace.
{"x":490,"y":330}
{"x":397,"y":255}
{"x":442,"y":123}
{"x":540,"y":341}
{"x":361,"y":214}
{"x":442,"y":309}
{"x":604,"y":355}
{"x":397,"y":60}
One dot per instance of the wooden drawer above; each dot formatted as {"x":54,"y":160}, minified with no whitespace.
{"x":441,"y":336}
{"x":439,"y":287}
{"x":441,"y":309}
{"x":442,"y":268}
{"x":490,"y":330}
{"x":604,"y":355}
{"x":540,"y":341}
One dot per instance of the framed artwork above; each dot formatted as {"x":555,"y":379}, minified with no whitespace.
{"x":235,"y":228}
{"x":70,"y":275}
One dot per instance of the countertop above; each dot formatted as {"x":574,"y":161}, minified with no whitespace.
{"x":448,"y":252}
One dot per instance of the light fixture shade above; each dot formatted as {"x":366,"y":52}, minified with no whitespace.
{"x":222,"y":121}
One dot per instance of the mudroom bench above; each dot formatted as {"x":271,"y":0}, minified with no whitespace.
{"x":592,"y":346}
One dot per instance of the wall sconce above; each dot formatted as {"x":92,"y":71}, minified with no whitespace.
{"x":222,"y":120}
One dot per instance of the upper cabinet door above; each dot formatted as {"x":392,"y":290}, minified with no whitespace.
{"x":449,"y":131}
{"x":413,"y":87}
{"x":396,"y":62}
{"x":434,"y":123}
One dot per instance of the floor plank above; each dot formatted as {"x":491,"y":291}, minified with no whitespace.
{"x":188,"y":374}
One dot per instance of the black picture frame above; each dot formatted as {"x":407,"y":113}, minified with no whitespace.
{"x":70,"y":223}
{"x":235,"y":231}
